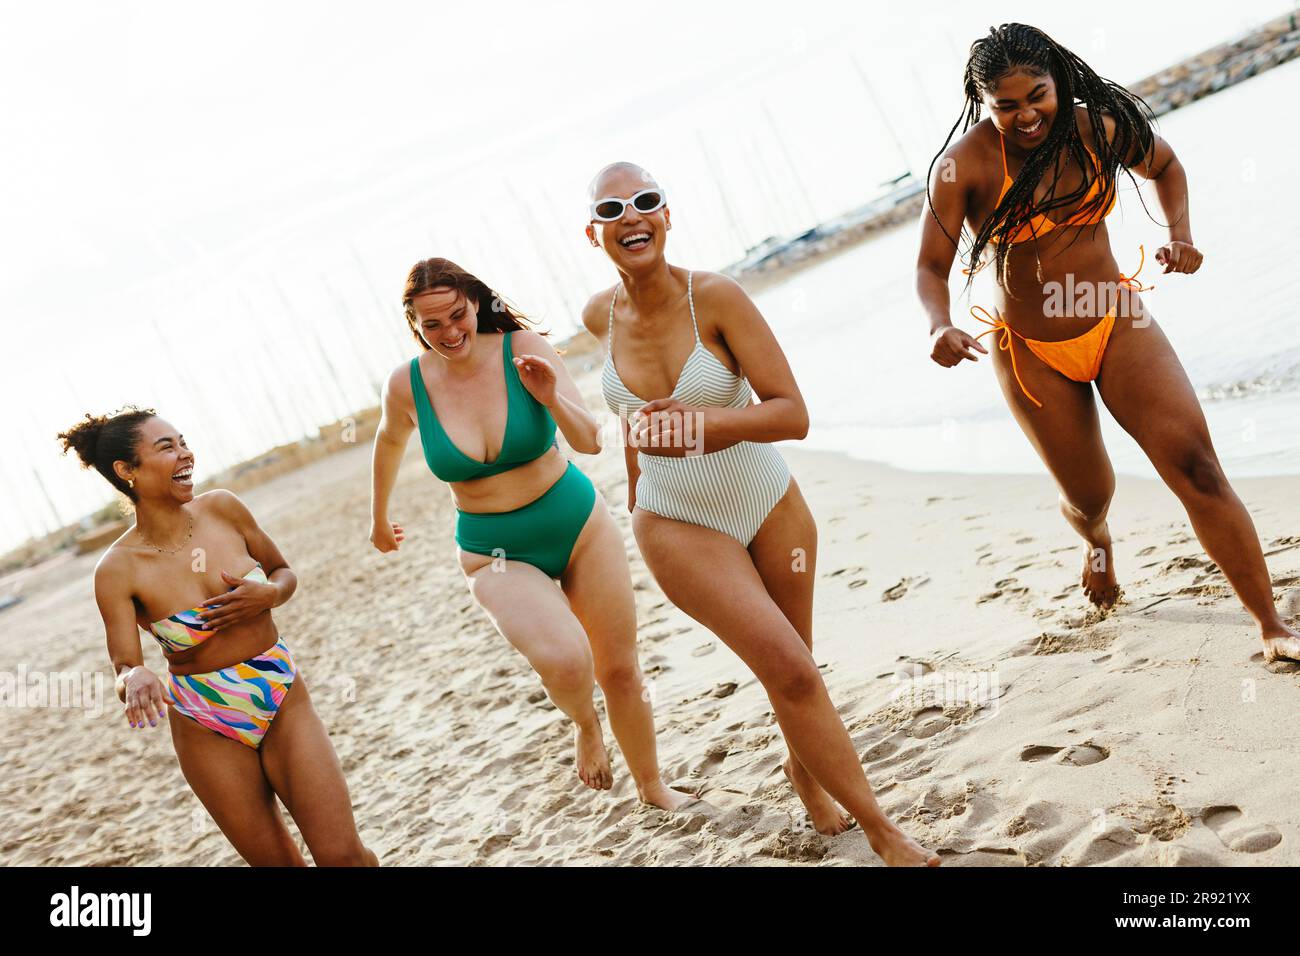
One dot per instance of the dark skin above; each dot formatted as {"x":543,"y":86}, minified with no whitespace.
{"x":189,"y":551}
{"x":1141,"y":382}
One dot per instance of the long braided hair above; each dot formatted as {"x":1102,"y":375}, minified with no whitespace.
{"x":1016,"y":45}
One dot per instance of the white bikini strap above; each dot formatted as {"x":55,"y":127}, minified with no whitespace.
{"x":690,"y":298}
{"x":612,"y":300}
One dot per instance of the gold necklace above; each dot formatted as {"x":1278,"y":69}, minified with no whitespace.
{"x":188,"y":534}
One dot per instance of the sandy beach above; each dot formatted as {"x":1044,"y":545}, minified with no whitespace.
{"x":999,"y":721}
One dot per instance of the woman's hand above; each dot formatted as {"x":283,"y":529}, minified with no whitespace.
{"x":142,"y":693}
{"x":247,"y":600}
{"x":1179,"y":257}
{"x":386,"y":536}
{"x":667,"y":427}
{"x":949,"y":345}
{"x":538,"y":376}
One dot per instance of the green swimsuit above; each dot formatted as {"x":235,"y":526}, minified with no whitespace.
{"x":541,"y":533}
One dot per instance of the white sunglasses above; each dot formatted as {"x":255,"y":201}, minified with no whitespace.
{"x":612,"y":208}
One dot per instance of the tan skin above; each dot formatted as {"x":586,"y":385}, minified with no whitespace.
{"x":207,"y":543}
{"x":764,"y":613}
{"x":575,"y":636}
{"x":1141,"y":381}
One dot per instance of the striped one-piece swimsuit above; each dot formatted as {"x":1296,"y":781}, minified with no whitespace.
{"x":732,"y":490}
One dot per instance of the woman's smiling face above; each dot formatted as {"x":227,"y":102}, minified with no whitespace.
{"x":166,"y":464}
{"x":1022,"y":105}
{"x":447,"y":320}
{"x":636,"y":239}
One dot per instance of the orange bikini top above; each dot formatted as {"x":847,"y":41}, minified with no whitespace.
{"x":1040,"y":225}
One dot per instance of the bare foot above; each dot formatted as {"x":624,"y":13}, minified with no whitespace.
{"x":1099,"y":581}
{"x":896,"y":848}
{"x":1282,"y":644}
{"x":592,"y":759}
{"x":659,"y":794}
{"x":826,"y":816}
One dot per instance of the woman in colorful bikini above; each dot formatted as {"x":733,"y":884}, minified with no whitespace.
{"x":241,"y":718}
{"x":486,"y":394}
{"x":720,"y":523}
{"x":1034,"y":182}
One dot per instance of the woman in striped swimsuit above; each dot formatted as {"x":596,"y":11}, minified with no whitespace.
{"x":720,"y":523}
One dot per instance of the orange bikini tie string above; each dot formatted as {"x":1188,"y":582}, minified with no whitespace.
{"x":1005,"y":343}
{"x":1132,"y":282}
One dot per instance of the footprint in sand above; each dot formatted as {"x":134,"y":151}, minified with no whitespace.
{"x":1229,"y":825}
{"x":1080,"y":755}
{"x":713,"y":759}
{"x":902,"y":587}
{"x":1006,"y":587}
{"x":1038,"y":752}
{"x":929,"y":721}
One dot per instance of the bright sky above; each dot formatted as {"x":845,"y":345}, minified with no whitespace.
{"x":168,"y":166}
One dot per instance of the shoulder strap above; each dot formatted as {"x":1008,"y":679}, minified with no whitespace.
{"x":690,"y":299}
{"x":425,"y":416}
{"x":612,"y":299}
{"x":514,"y":384}
{"x":418,"y":392}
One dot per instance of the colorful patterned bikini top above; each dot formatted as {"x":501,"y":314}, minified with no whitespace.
{"x":185,"y":629}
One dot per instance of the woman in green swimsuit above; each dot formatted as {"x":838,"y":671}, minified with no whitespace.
{"x":525,"y":515}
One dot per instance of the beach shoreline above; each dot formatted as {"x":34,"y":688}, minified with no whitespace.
{"x":1222,"y":66}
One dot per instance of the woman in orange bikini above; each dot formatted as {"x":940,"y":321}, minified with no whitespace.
{"x":1034,"y":183}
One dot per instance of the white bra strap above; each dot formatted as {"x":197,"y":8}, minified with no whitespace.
{"x":690,"y":298}
{"x":612,"y":300}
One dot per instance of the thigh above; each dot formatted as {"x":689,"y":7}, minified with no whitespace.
{"x":1145,"y":387}
{"x":228,"y":779}
{"x":1065,"y":431}
{"x":598,"y":584}
{"x":304,"y":771}
{"x":530,"y":611}
{"x":785,"y":555}
{"x":711,"y":577}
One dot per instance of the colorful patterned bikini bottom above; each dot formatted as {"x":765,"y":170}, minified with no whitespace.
{"x":239,"y":701}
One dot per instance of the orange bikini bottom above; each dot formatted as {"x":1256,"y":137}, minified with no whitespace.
{"x":1078,"y":358}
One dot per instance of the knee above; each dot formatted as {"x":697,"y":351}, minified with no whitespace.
{"x":619,"y":679}
{"x":1199,"y":472}
{"x":795,"y":681}
{"x":563,"y":671}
